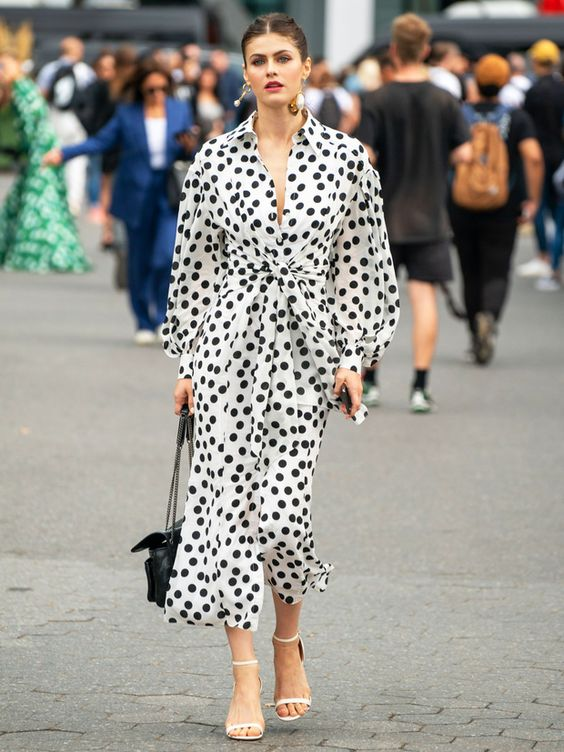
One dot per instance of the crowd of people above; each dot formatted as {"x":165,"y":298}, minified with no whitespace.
{"x":467,"y":151}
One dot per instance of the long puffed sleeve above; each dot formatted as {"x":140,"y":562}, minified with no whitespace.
{"x":196,"y":269}
{"x":363,"y":291}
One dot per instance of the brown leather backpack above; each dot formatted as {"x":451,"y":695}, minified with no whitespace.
{"x":483,"y":183}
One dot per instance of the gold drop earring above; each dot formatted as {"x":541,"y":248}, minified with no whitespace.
{"x":298,"y":102}
{"x":244,"y":91}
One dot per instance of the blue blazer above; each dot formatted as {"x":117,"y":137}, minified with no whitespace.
{"x":133,"y":181}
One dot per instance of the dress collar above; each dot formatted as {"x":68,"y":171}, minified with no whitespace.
{"x":312,"y":132}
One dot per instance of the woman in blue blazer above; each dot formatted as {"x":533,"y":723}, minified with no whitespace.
{"x":150,"y":133}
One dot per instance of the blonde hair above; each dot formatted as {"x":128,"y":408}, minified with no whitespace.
{"x":17,"y":44}
{"x":410,"y":34}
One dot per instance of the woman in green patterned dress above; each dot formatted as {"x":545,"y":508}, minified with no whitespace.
{"x":37,"y":231}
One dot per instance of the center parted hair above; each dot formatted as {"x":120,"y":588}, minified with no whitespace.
{"x":276,"y":23}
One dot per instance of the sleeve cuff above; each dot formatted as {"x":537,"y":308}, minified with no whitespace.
{"x":351,"y":360}
{"x":185,"y":366}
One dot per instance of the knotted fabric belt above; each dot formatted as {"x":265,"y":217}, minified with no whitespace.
{"x":275,"y":284}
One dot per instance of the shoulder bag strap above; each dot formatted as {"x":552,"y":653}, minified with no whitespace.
{"x":185,"y":432}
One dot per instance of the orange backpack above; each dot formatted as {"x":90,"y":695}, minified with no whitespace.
{"x":483,"y":183}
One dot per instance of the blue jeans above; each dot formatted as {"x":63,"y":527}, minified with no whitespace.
{"x":556,"y":247}
{"x":555,"y":207}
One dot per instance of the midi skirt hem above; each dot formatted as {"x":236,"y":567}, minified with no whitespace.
{"x":315,"y":580}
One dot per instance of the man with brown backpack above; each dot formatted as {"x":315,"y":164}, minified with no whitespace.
{"x":489,"y":199}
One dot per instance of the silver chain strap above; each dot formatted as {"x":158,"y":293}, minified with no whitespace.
{"x":185,"y":433}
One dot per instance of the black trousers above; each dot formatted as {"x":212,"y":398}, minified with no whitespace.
{"x":484,"y":243}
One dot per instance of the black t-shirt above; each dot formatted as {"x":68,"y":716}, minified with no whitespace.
{"x":520,"y":128}
{"x":545,"y":104}
{"x":413,"y":127}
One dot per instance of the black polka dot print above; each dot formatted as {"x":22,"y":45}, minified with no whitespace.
{"x":261,"y":315}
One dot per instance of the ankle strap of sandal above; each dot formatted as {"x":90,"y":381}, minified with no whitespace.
{"x":289,"y":639}
{"x":245,"y":663}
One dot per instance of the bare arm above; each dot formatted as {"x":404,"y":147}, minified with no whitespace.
{"x":533,"y":164}
{"x":462,"y":153}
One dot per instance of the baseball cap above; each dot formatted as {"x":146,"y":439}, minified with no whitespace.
{"x":545,"y":51}
{"x":492,"y":70}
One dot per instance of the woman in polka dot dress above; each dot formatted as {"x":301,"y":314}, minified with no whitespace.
{"x":282,"y":288}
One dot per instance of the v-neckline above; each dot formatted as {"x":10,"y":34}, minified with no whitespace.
{"x":273,"y":184}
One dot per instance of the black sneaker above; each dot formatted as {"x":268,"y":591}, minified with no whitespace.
{"x":484,"y":338}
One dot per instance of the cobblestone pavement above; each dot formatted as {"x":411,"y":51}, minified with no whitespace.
{"x":443,"y":626}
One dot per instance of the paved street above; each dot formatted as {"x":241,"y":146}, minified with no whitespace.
{"x":443,"y":626}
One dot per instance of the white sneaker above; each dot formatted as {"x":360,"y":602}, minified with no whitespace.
{"x":421,"y":402}
{"x":548,"y":284}
{"x":370,"y":395}
{"x":160,"y":335}
{"x":144,"y":337}
{"x":534,"y":268}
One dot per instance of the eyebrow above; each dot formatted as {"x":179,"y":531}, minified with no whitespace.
{"x":263,"y":54}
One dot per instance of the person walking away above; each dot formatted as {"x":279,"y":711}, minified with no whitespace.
{"x":60,"y":82}
{"x":514,"y":91}
{"x":329,"y":102}
{"x":416,"y":130}
{"x":152,"y":132}
{"x":488,"y":202}
{"x":95,"y":108}
{"x":545,"y":104}
{"x":442,"y":60}
{"x":37,"y":231}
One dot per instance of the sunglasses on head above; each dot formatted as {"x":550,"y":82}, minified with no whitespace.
{"x":155,"y":89}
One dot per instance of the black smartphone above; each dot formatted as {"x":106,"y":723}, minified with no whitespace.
{"x":346,"y":399}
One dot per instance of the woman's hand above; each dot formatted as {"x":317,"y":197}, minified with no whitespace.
{"x":353,"y":382}
{"x":52,"y":158}
{"x":183,"y":395}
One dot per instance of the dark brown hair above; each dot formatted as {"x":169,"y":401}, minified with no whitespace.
{"x":146,"y":68}
{"x":276,"y":23}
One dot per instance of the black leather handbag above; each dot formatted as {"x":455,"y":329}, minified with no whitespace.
{"x":162,"y":544}
{"x":175,"y":179}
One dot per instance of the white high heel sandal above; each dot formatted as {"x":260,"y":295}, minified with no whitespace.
{"x":251,"y":724}
{"x":295,"y":700}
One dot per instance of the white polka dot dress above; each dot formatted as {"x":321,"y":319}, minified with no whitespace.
{"x":261,"y":315}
